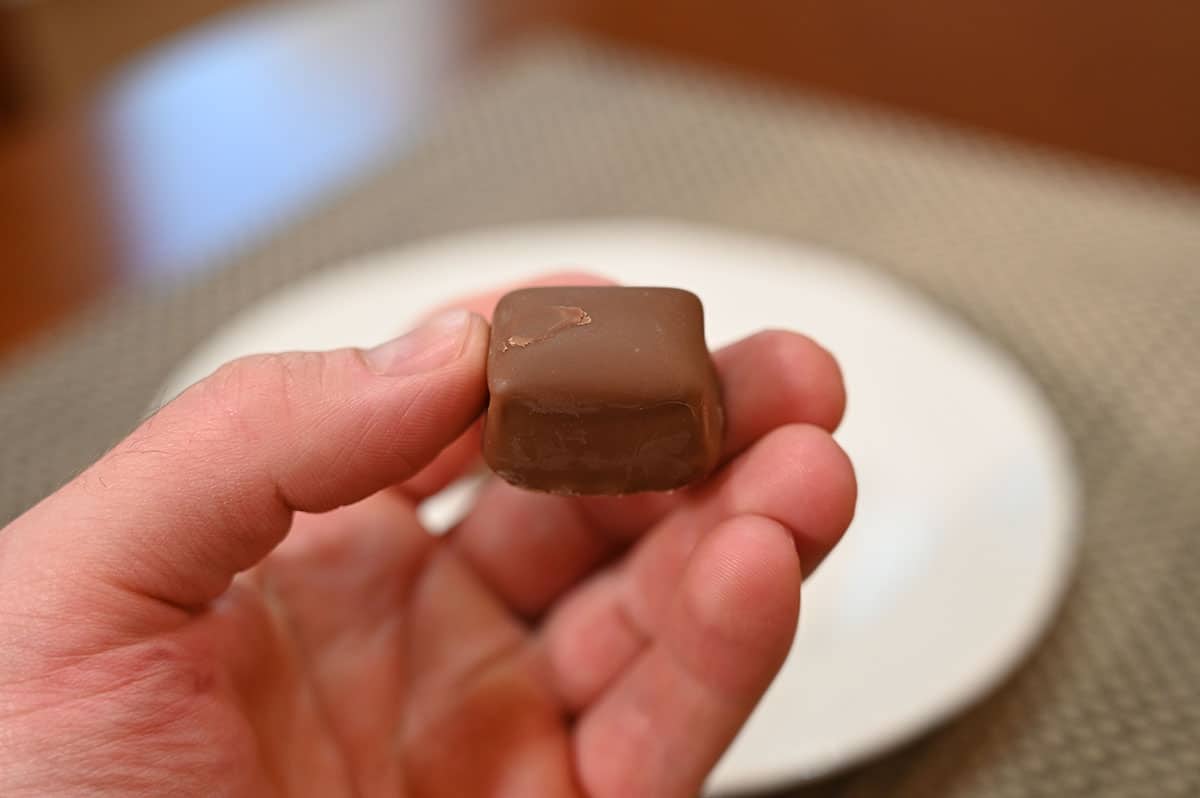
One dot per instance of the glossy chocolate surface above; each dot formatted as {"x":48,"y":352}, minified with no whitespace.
{"x":601,"y":390}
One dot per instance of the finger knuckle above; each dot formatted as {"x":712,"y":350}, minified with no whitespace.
{"x":267,"y":391}
{"x":242,"y":387}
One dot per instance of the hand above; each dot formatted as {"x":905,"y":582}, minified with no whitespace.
{"x":238,"y":599}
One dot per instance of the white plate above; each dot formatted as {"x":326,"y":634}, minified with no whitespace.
{"x":965,"y":533}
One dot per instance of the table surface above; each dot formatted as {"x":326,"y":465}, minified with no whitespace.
{"x":200,"y":146}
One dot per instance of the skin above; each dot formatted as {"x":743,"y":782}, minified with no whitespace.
{"x":238,"y":599}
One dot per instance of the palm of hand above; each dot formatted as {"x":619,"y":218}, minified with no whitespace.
{"x":377,"y":664}
{"x":546,"y":646}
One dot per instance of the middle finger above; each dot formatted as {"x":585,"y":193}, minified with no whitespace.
{"x":531,"y":547}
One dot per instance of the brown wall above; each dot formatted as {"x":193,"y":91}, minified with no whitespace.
{"x":1117,"y":78}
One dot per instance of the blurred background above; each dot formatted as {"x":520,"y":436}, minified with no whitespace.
{"x":1035,"y":170}
{"x":140,"y":140}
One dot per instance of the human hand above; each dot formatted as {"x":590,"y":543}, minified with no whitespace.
{"x":238,"y":599}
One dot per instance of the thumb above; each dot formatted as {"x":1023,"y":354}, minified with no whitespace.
{"x":206,"y":487}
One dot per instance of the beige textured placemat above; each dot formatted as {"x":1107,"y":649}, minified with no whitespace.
{"x":1091,"y":277}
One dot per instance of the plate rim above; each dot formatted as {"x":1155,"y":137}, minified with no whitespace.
{"x":982,"y":683}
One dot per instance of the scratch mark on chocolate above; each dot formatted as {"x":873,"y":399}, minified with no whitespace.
{"x":567,"y":317}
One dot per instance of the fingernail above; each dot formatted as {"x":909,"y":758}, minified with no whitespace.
{"x":432,"y":345}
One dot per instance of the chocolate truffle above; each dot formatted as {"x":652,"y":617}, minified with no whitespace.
{"x":601,"y":390}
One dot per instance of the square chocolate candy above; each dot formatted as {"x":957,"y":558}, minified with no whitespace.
{"x":601,"y":390}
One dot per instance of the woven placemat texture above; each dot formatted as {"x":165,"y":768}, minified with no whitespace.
{"x":1090,"y":276}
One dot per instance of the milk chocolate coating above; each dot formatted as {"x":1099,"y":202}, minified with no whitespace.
{"x":601,"y":390}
